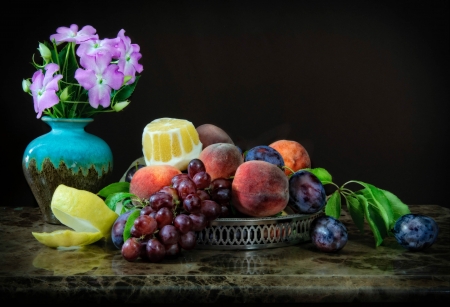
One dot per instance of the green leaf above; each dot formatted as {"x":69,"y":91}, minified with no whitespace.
{"x":375,"y":221}
{"x":113,"y":199}
{"x":376,"y":198}
{"x":355,"y":207}
{"x":116,"y":187}
{"x":333,"y":206}
{"x":126,"y":91}
{"x":398,"y":207}
{"x":129,"y":224}
{"x":321,"y":173}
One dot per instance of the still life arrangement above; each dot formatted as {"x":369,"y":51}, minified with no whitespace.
{"x":189,"y":178}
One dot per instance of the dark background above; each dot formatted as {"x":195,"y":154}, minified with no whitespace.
{"x":362,"y":85}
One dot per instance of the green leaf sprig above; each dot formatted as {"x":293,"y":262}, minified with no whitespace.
{"x":380,"y":208}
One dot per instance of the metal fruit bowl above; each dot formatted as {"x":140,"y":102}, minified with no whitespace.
{"x":256,"y":233}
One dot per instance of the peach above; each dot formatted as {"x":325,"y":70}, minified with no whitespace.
{"x":211,"y":134}
{"x":221,"y":159}
{"x":294,"y":155}
{"x":151,"y":178}
{"x":259,"y":189}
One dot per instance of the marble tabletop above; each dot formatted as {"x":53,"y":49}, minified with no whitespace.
{"x":33,"y":273}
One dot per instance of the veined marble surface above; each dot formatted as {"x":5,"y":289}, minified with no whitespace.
{"x":33,"y":273}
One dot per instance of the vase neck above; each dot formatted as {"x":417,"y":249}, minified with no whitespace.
{"x":67,"y":123}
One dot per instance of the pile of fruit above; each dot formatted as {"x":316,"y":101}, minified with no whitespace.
{"x":193,"y":176}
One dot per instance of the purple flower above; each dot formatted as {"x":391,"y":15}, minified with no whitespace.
{"x":95,"y":46}
{"x":98,"y":77}
{"x":72,"y":34}
{"x":128,"y":61}
{"x":44,"y":87}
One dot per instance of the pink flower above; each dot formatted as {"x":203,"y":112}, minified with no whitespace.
{"x":98,"y":78}
{"x":72,"y":34}
{"x":128,"y":61}
{"x":44,"y":87}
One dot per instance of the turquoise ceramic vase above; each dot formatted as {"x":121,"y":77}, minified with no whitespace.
{"x":66,"y":155}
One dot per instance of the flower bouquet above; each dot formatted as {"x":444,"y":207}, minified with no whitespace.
{"x":82,"y":75}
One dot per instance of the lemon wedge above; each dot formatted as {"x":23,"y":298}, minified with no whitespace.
{"x":67,"y":238}
{"x":170,"y":141}
{"x":84,"y":212}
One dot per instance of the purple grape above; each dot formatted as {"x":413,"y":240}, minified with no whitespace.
{"x":188,"y":240}
{"x":202,"y":180}
{"x":210,"y":209}
{"x":415,"y":232}
{"x":172,"y":192}
{"x":131,"y":249}
{"x":224,"y":211}
{"x":328,"y":234}
{"x":168,"y":235}
{"x":306,"y":192}
{"x":143,"y":225}
{"x":178,"y":178}
{"x":147,"y":210}
{"x":192,"y":203}
{"x":160,"y":200}
{"x":117,"y":229}
{"x":155,"y":250}
{"x":221,"y":195}
{"x":172,"y":250}
{"x":186,"y":187}
{"x":164,"y":217}
{"x":203,"y":194}
{"x":219,"y":183}
{"x":195,"y":166}
{"x":265,"y":153}
{"x":199,"y":221}
{"x":182,"y":223}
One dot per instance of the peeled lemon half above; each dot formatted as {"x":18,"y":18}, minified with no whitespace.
{"x":84,"y":212}
{"x":170,"y":141}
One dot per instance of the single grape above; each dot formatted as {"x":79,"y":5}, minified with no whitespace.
{"x":195,"y":166}
{"x":177,"y":179}
{"x":188,"y":240}
{"x":192,"y":203}
{"x":219,"y":183}
{"x":186,"y":187}
{"x":168,"y":235}
{"x":143,"y":225}
{"x":224,"y":211}
{"x":210,"y":209}
{"x":415,"y":232}
{"x":117,"y":229}
{"x":221,"y":195}
{"x":147,"y":210}
{"x":202,"y":180}
{"x":160,"y":200}
{"x":164,"y":217}
{"x":173,"y":192}
{"x":265,"y":153}
{"x":306,"y":192}
{"x":172,"y":250}
{"x":130,"y":173}
{"x":155,"y":250}
{"x":182,"y":223}
{"x":328,"y":234}
{"x":203,"y":194}
{"x":131,"y":249}
{"x":199,"y":221}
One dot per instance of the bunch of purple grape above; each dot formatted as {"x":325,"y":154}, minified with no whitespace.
{"x":173,"y":215}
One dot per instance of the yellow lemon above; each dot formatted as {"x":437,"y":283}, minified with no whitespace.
{"x":170,"y":141}
{"x":82,"y":210}
{"x":67,"y":238}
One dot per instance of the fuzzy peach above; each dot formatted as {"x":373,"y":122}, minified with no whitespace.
{"x":150,"y":179}
{"x":211,"y":134}
{"x":259,"y":189}
{"x":221,"y":159}
{"x":294,"y":155}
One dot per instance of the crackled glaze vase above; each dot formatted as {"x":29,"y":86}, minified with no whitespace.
{"x":66,"y":155}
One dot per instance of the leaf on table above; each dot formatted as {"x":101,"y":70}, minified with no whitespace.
{"x":333,"y":206}
{"x":116,"y":187}
{"x":374,"y":219}
{"x":355,"y":207}
{"x":398,"y":207}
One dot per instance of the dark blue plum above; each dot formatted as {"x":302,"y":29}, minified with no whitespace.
{"x":415,"y":232}
{"x":306,"y":192}
{"x":265,"y":153}
{"x":117,"y":229}
{"x":328,"y":234}
{"x":132,"y":170}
